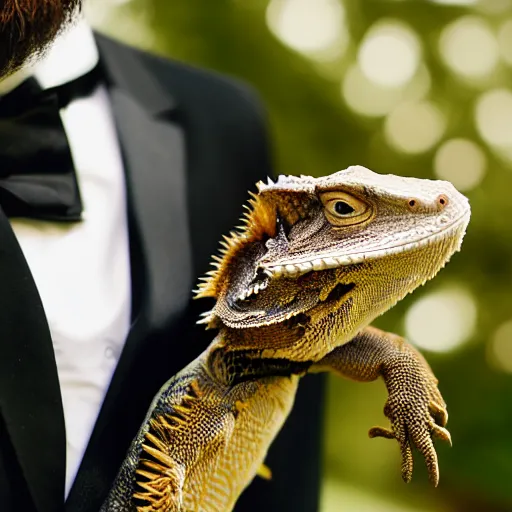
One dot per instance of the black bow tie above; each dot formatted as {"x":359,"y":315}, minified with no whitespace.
{"x":37,"y":175}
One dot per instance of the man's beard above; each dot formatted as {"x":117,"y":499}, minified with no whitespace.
{"x":27,"y":27}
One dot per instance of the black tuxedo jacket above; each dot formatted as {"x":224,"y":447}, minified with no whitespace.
{"x":193,"y":144}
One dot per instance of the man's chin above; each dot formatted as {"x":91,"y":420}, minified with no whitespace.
{"x":28,"y":27}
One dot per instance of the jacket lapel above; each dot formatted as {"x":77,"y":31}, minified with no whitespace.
{"x":153,"y":147}
{"x":160,"y":247}
{"x":30,"y":399}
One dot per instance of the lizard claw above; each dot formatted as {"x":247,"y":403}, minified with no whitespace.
{"x":441,"y":433}
{"x":439,"y":412}
{"x":416,"y":416}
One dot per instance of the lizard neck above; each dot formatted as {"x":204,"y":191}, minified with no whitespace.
{"x":231,"y":364}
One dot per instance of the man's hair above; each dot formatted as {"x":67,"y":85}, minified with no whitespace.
{"x":27,"y":27}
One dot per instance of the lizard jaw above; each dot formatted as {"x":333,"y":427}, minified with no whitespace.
{"x":329,"y":261}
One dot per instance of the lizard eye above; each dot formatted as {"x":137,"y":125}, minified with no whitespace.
{"x":343,"y":209}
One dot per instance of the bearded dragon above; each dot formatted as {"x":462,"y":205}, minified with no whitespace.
{"x":296,"y":287}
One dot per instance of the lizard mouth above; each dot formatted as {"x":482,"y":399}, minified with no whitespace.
{"x":295,"y":268}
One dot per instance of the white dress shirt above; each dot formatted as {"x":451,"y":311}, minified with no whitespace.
{"x":82,"y":270}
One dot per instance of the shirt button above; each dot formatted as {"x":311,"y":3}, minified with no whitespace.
{"x":110,"y":353}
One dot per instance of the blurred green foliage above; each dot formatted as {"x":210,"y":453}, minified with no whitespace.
{"x":315,"y":131}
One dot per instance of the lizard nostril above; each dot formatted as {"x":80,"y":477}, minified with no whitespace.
{"x":442,"y":200}
{"x":413,"y":204}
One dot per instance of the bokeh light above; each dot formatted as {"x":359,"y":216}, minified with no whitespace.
{"x":500,"y":347}
{"x":441,"y":321}
{"x":414,"y":127}
{"x":390,"y":53}
{"x":454,"y":2}
{"x":462,"y":162}
{"x":505,"y":41}
{"x":494,"y":7}
{"x":366,"y":97}
{"x":469,"y":48}
{"x":311,"y":27}
{"x":493,"y":115}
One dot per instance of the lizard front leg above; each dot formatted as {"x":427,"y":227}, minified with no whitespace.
{"x":415,"y":406}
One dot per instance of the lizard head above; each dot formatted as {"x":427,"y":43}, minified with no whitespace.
{"x":333,"y":252}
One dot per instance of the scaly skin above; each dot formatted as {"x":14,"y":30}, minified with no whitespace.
{"x":295,"y":291}
{"x":206,"y":437}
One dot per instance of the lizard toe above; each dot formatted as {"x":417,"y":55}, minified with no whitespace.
{"x":425,"y":446}
{"x":381,"y":432}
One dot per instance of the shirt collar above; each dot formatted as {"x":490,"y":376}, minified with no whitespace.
{"x":73,"y":54}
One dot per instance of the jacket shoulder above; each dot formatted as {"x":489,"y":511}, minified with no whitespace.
{"x":226,"y":135}
{"x":190,"y":84}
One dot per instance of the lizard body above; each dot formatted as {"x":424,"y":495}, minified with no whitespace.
{"x":246,"y":417}
{"x":296,"y":287}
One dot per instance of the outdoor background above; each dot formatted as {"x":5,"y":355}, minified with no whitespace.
{"x":415,"y":88}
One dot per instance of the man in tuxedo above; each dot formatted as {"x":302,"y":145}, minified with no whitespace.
{"x":119,"y":171}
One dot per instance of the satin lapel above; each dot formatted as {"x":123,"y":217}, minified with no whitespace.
{"x":154,"y":157}
{"x":30,"y":399}
{"x":153,"y":147}
{"x":154,"y":150}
